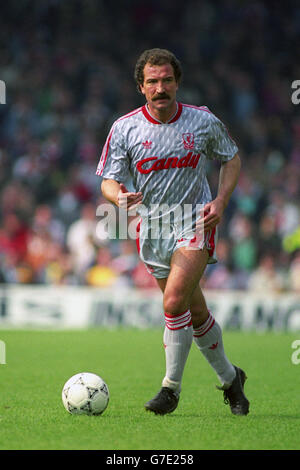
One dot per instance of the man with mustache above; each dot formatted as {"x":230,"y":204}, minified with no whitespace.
{"x":155,"y":145}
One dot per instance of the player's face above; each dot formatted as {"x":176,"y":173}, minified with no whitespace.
{"x":160,"y":89}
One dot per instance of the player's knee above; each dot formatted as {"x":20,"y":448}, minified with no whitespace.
{"x":174,"y":303}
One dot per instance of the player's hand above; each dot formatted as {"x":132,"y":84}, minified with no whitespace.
{"x":211,"y":215}
{"x":128,"y":200}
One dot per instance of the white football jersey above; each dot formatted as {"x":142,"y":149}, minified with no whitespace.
{"x":167,"y":161}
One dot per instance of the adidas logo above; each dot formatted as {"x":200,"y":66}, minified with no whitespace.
{"x":147,"y":144}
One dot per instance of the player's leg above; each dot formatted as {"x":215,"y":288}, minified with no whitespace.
{"x":207,"y":335}
{"x":187,"y":267}
{"x":208,"y":338}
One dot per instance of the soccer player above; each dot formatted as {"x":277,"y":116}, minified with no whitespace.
{"x":164,"y":146}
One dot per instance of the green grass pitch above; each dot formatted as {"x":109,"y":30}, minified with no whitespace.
{"x":132,"y":363}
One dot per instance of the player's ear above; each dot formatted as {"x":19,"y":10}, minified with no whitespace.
{"x":142,"y":89}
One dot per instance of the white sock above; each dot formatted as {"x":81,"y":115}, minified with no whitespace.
{"x":208,"y":338}
{"x":178,"y":338}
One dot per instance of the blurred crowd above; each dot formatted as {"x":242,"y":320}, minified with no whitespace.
{"x":68,"y":69}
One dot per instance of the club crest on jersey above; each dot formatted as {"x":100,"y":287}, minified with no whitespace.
{"x":188,"y":161}
{"x":147,"y":144}
{"x":188,"y":140}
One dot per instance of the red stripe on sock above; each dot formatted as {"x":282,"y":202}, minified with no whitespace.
{"x":178,"y":322}
{"x":198,"y":332}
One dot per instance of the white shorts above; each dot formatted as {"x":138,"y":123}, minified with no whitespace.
{"x":156,"y":253}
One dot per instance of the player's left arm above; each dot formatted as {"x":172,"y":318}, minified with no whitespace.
{"x":228,"y":178}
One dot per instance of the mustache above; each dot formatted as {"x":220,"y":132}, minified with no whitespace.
{"x":161,"y":97}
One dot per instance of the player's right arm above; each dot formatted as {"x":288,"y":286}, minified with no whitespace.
{"x":118,"y":194}
{"x":114,"y":167}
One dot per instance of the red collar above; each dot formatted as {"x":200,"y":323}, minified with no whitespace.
{"x":156,"y":121}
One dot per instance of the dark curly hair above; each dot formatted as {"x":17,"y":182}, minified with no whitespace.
{"x":156,"y":57}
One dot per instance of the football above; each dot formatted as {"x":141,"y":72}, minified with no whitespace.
{"x":85,"y":393}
